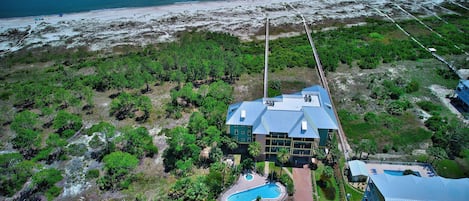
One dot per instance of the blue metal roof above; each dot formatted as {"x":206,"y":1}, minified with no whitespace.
{"x":285,"y":113}
{"x":321,"y":118}
{"x":281,"y":121}
{"x":462,"y":91}
{"x":410,"y":187}
{"x":358,"y":167}
{"x":297,"y":132}
{"x":253,"y":109}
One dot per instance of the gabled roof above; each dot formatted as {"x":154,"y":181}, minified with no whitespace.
{"x":253,"y":109}
{"x":410,"y":187}
{"x":358,"y":168}
{"x":285,"y":113}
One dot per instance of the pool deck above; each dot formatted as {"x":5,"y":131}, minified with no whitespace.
{"x":378,"y":168}
{"x":242,"y":184}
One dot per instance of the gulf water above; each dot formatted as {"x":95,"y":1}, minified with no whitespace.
{"x":22,"y":8}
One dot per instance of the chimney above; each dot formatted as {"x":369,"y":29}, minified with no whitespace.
{"x":266,"y":59}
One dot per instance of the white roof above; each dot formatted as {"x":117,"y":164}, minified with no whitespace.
{"x":358,"y":168}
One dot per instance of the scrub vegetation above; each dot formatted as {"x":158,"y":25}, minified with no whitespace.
{"x":53,"y":113}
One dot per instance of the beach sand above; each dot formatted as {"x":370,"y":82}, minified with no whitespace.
{"x":105,"y":29}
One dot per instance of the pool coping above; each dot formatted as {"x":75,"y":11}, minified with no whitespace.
{"x":243,"y":185}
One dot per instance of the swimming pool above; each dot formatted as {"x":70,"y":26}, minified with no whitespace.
{"x":399,"y":172}
{"x":248,"y":176}
{"x":270,"y":190}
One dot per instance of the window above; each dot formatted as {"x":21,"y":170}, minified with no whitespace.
{"x":236,"y":131}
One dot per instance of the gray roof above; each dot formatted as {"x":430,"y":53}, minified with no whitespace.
{"x":312,"y":105}
{"x":358,"y":168}
{"x":463,"y":91}
{"x":410,"y":187}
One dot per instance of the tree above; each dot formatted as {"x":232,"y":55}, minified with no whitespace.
{"x":117,"y":166}
{"x":14,"y":172}
{"x":181,"y":147}
{"x":254,"y":150}
{"x":283,"y":155}
{"x":197,"y":123}
{"x":27,"y":137}
{"x":437,"y":154}
{"x":371,"y":148}
{"x":216,"y":154}
{"x":232,"y":145}
{"x":190,"y":189}
{"x":66,"y":124}
{"x":25,"y":120}
{"x":138,"y":142}
{"x":46,"y":178}
{"x":328,"y":172}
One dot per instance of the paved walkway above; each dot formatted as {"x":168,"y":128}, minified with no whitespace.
{"x":303,"y":185}
{"x":288,"y":172}
{"x":266,"y":168}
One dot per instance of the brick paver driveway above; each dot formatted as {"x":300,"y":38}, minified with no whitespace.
{"x":303,"y":185}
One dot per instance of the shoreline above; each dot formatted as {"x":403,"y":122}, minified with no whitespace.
{"x":139,"y":26}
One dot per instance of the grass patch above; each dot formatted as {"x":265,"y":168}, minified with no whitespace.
{"x":449,"y":168}
{"x":355,"y":195}
{"x":331,"y":185}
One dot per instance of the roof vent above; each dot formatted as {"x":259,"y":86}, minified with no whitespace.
{"x":328,"y":105}
{"x":304,"y":126}
{"x":243,"y":114}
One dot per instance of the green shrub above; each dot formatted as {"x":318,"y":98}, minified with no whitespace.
{"x":436,"y":123}
{"x":95,"y":142}
{"x":77,"y":149}
{"x":412,"y":86}
{"x":46,"y":178}
{"x":398,"y":107}
{"x":43,"y":154}
{"x":14,"y":173}
{"x":376,"y":35}
{"x":102,"y":127}
{"x":288,"y":182}
{"x":371,"y":118}
{"x":67,"y":124}
{"x":92,"y":174}
{"x":53,"y":192}
{"x":428,"y":106}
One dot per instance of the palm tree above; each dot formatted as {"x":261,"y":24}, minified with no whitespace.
{"x":283,"y":155}
{"x":254,"y":150}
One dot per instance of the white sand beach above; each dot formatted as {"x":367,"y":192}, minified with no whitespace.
{"x":105,"y":29}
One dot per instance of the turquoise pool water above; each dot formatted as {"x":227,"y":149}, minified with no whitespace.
{"x":266,"y":191}
{"x":398,"y":172}
{"x":248,"y":177}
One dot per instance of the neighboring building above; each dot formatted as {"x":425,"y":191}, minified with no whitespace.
{"x":358,"y":172}
{"x":300,"y":122}
{"x":384,"y":187}
{"x":462,"y":90}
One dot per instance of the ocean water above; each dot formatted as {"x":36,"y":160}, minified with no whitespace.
{"x":22,"y":8}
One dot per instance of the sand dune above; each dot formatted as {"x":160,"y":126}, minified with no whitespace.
{"x":104,"y":29}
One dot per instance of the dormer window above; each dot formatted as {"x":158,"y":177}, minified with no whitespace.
{"x":243,"y":114}
{"x":304,"y":126}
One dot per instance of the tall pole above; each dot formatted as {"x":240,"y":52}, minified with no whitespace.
{"x":266,"y":59}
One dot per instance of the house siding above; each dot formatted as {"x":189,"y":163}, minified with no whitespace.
{"x":241,"y":133}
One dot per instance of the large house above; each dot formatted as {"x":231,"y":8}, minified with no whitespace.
{"x":462,"y":90}
{"x":385,"y":187}
{"x":299,"y":122}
